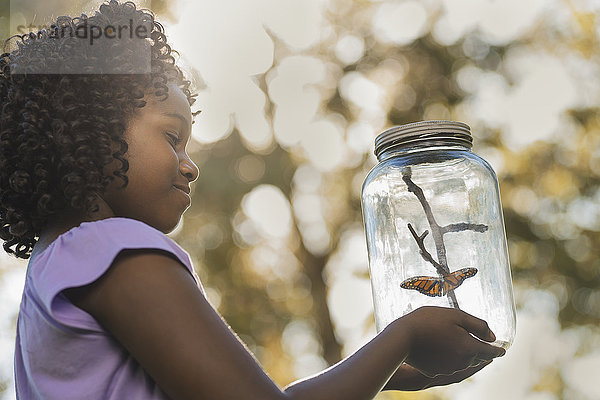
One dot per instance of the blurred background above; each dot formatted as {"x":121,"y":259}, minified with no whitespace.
{"x":293,"y":93}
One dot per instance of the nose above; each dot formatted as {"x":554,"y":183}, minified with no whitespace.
{"x":189,"y":169}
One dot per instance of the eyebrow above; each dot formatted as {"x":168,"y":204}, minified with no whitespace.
{"x":178,"y":116}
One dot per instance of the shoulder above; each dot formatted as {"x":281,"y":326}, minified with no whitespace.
{"x":84,"y":254}
{"x":97,"y":243}
{"x":119,"y":230}
{"x":133,"y":281}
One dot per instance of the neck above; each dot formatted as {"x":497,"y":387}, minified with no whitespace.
{"x":68,"y":219}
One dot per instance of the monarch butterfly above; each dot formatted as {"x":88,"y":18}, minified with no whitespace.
{"x":431,"y":286}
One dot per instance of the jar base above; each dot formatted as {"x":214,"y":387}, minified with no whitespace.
{"x":502,"y":344}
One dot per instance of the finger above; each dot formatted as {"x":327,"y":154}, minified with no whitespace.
{"x":478,"y":360}
{"x":488,"y":356}
{"x":486,"y":352}
{"x":481,"y":364}
{"x":478,"y":327}
{"x":458,"y":376}
{"x":467,"y":372}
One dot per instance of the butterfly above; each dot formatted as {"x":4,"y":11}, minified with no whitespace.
{"x":431,"y":286}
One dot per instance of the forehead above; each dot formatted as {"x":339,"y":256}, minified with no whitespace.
{"x":175,"y":102}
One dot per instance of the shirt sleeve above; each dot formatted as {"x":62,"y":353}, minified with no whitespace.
{"x":83,"y":254}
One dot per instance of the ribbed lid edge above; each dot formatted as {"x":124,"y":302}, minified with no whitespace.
{"x":424,"y":132}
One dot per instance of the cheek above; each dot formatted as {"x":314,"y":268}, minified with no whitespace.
{"x":153,"y":164}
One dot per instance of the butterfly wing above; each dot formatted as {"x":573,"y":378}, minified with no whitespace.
{"x":427,"y":285}
{"x":456,"y":278}
{"x":434,"y":287}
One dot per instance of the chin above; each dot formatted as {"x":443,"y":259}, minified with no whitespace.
{"x":165,"y":225}
{"x":176,"y":225}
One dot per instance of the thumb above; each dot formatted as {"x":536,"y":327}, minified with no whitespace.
{"x":478,"y":327}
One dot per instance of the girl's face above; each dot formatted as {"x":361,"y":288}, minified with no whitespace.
{"x":158,"y":163}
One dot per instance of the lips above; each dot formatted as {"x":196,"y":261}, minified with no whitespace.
{"x":184,"y":193}
{"x":185,"y":189}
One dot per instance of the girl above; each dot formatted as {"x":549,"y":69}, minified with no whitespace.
{"x":93,"y":174}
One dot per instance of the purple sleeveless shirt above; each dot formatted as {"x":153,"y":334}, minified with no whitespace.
{"x":61,"y":351}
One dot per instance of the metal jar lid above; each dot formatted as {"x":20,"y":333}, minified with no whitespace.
{"x":424,"y":133}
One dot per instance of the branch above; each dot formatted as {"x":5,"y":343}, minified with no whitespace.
{"x":426,"y":256}
{"x":436,"y":232}
{"x":464,"y":226}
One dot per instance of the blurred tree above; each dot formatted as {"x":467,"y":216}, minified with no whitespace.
{"x":547,"y":187}
{"x":498,"y":66}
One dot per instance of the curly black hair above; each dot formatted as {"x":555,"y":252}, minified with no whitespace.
{"x":58,"y":131}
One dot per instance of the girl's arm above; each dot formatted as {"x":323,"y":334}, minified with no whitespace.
{"x":152,"y":306}
{"x":436,"y":340}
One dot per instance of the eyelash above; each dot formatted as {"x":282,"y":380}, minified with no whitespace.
{"x":174,"y":139}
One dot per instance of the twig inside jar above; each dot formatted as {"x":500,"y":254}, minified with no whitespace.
{"x":437,"y":232}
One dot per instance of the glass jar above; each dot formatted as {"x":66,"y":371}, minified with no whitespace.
{"x":434,"y":227}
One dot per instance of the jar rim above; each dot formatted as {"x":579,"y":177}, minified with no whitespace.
{"x":434,"y":132}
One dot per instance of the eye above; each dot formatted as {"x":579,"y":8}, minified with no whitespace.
{"x":174,"y":138}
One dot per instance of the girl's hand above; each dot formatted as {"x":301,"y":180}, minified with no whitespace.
{"x":407,"y":378}
{"x":443,"y":341}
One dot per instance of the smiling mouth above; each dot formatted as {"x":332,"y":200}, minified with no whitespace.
{"x":186,"y":190}
{"x":183,"y":191}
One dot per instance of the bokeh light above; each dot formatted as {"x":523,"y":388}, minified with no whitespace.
{"x":293,"y":94}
